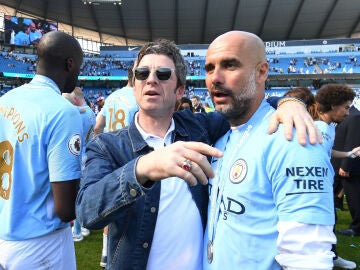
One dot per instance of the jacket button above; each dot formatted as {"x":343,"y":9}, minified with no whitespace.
{"x":145,"y":245}
{"x":133,"y":192}
{"x":152,"y":209}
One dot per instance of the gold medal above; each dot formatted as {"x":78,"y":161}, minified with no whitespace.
{"x":210,"y":251}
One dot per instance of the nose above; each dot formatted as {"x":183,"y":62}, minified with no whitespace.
{"x":152,"y":77}
{"x":214,"y":77}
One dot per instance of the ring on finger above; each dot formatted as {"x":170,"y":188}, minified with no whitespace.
{"x":186,"y":165}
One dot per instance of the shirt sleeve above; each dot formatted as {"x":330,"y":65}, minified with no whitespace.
{"x":310,"y":252}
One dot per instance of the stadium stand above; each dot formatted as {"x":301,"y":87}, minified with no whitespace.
{"x":107,"y":70}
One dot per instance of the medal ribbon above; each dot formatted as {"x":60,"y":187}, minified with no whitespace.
{"x":218,"y":189}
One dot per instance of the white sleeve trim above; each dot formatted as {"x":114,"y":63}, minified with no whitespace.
{"x":305,"y":246}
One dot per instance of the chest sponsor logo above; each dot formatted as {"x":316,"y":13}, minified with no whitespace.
{"x":238,"y":171}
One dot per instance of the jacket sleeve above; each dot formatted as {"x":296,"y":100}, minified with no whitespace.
{"x":105,"y":191}
{"x":215,"y":125}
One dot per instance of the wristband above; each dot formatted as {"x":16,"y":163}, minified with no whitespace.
{"x":286,"y":99}
{"x":350,"y":154}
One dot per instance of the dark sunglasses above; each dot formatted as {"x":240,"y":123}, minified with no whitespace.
{"x":163,"y":74}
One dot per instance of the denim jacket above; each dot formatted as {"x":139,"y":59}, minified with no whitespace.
{"x":110,"y":194}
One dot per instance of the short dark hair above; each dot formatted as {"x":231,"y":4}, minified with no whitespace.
{"x":168,"y":48}
{"x":130,"y":74}
{"x":305,"y":95}
{"x":333,"y":94}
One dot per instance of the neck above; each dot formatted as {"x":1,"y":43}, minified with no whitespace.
{"x":155,"y":125}
{"x":325,"y":117}
{"x":54,"y":76}
{"x":245,"y":116}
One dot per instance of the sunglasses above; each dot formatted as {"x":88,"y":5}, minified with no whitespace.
{"x":163,"y":74}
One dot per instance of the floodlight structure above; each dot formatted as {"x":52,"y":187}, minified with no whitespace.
{"x":98,"y":2}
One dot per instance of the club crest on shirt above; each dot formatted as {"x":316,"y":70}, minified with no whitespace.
{"x":238,"y":171}
{"x":74,"y":144}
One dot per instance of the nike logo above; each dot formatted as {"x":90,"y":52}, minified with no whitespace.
{"x":131,"y":49}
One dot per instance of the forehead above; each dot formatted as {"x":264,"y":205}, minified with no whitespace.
{"x":223,"y":51}
{"x":157,"y":60}
{"x":234,"y":46}
{"x":346,"y":104}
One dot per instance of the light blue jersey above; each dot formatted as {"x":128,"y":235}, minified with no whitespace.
{"x":119,"y":109}
{"x":264,"y":179}
{"x":88,"y":122}
{"x":328,"y":135}
{"x":40,"y":143}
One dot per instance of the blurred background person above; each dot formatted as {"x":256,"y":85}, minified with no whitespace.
{"x":184,"y":103}
{"x":77,"y":98}
{"x":196,"y":102}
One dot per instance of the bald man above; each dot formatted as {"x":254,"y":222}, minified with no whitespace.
{"x":39,"y":172}
{"x":271,"y":202}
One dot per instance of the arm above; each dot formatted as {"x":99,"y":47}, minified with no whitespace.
{"x":293,"y":113}
{"x":64,"y":160}
{"x":304,"y":205}
{"x":351,"y":154}
{"x":113,"y":182}
{"x":64,"y":199}
{"x":109,"y":185}
{"x":294,"y":247}
{"x":100,"y":124}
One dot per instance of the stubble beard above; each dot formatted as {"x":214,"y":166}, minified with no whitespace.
{"x":240,"y":105}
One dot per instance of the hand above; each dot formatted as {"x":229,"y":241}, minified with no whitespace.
{"x":343,"y":173}
{"x":167,"y":162}
{"x":356,"y":151}
{"x":293,"y":113}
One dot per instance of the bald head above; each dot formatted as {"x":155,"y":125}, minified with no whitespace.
{"x":59,"y":58}
{"x":236,"y":72}
{"x":56,"y":46}
{"x":245,"y":41}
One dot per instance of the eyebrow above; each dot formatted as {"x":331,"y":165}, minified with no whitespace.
{"x":224,"y":62}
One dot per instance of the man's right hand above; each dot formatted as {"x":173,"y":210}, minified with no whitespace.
{"x":168,"y":162}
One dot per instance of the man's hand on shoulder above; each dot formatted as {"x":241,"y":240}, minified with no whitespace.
{"x":292,"y":112}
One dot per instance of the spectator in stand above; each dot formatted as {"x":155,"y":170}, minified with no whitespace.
{"x":196,"y":102}
{"x":143,"y":178}
{"x":77,"y":98}
{"x":261,"y":204}
{"x":40,"y":169}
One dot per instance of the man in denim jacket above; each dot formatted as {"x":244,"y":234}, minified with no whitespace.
{"x":153,"y":224}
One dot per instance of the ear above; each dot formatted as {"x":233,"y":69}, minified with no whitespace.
{"x":180,"y":92}
{"x":69,"y":63}
{"x":262,"y":71}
